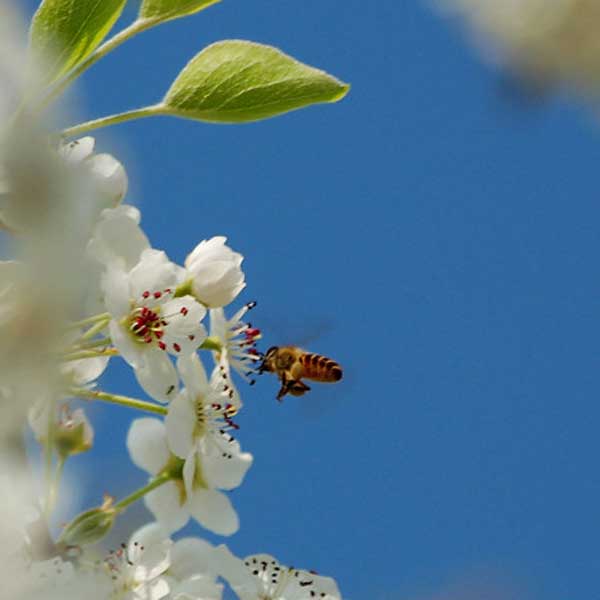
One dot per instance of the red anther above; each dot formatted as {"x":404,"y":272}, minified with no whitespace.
{"x":159,"y":334}
{"x":157,"y":295}
{"x":164,"y":323}
{"x":216,"y":406}
{"x":253,"y":351}
{"x":184,"y":311}
{"x":176,"y":347}
{"x":162,"y":345}
{"x":148,"y":339}
{"x":250,"y":333}
{"x":168,"y":291}
{"x":146,"y":294}
{"x":191,"y":337}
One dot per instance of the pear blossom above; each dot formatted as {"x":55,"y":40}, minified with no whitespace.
{"x":237,"y":341}
{"x":212,"y":460}
{"x":193,"y":572}
{"x":262,"y":577}
{"x":148,"y":321}
{"x":215,"y":272}
{"x":137,"y":572}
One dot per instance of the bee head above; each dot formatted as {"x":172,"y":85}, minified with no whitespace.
{"x":267,"y":357}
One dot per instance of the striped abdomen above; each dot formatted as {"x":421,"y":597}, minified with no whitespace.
{"x":320,"y":368}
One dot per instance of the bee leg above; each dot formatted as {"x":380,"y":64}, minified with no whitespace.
{"x":284,"y":389}
{"x":297,"y":387}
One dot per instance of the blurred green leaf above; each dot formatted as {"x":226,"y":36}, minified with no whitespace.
{"x":235,"y":81}
{"x":65,"y":32}
{"x":164,"y":10}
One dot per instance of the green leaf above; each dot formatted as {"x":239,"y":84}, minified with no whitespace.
{"x":65,"y":32}
{"x":234,"y":81}
{"x":163,"y":10}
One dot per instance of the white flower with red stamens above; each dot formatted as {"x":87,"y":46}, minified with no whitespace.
{"x":261,"y":577}
{"x":149,"y":322}
{"x":237,"y":340}
{"x":215,"y":272}
{"x":137,"y":572}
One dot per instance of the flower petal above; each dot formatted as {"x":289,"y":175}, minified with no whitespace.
{"x":157,"y":375}
{"x":180,"y":423}
{"x":165,"y":503}
{"x":147,"y":444}
{"x":223,"y":464}
{"x":193,"y":374}
{"x":154,"y":272}
{"x":116,"y":291}
{"x":191,"y":556}
{"x":213,"y":510}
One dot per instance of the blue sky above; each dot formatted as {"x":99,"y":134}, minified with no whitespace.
{"x":437,"y":236}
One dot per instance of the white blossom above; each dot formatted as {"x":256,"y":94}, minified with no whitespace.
{"x":148,"y":321}
{"x":215,"y":272}
{"x":261,"y":577}
{"x":211,"y":461}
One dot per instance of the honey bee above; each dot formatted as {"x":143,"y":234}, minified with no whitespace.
{"x":291,"y":364}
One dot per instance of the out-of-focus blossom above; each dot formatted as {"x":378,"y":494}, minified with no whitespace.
{"x":260,"y":576}
{"x":216,"y":272}
{"x":542,"y":41}
{"x":148,"y":322}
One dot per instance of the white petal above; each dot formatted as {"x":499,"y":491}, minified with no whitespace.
{"x":191,"y":556}
{"x":77,"y":150}
{"x":116,"y":291}
{"x":180,"y":423}
{"x":213,"y":510}
{"x":154,"y":590}
{"x":218,"y":468}
{"x":147,"y":445}
{"x":200,"y":587}
{"x":184,"y":332}
{"x":87,"y":370}
{"x":118,"y":237}
{"x":157,"y":375}
{"x":165,"y":504}
{"x":110,"y":177}
{"x":193,"y":374}
{"x":155,"y":272}
{"x":129,"y":349}
{"x":234,"y":570}
{"x":155,"y":560}
{"x":151,"y":533}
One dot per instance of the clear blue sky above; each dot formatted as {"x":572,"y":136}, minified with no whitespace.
{"x":445,"y":239}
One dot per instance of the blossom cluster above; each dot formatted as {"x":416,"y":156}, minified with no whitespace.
{"x":167,"y":322}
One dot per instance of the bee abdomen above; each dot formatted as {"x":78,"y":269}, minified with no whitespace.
{"x":320,"y":368}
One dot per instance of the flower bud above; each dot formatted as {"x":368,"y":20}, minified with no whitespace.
{"x":73,"y":434}
{"x":215,"y":271}
{"x":90,"y":526}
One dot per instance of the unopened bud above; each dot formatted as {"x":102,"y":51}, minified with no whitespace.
{"x":73,"y":434}
{"x":90,"y":526}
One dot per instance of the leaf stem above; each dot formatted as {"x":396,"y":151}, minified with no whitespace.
{"x":129,"y":115}
{"x":116,"y":399}
{"x":152,"y":485}
{"x":136,"y":27}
